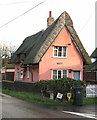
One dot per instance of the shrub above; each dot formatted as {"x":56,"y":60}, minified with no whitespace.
{"x":63,"y":85}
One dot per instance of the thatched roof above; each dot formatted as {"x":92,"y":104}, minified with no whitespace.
{"x":94,"y":54}
{"x":36,"y":45}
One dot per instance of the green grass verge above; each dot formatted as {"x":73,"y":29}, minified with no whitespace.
{"x":36,"y":98}
{"x":89,"y":100}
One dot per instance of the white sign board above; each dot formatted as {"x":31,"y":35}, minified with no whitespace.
{"x":59,"y":95}
{"x":91,"y":91}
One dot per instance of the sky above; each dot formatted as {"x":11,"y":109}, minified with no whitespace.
{"x":22,"y":18}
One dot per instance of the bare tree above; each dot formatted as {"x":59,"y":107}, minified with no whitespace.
{"x":7,"y":52}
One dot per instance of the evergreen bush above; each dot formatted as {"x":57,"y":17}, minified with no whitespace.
{"x":63,"y":85}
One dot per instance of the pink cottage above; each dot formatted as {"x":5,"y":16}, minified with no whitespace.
{"x":56,"y":52}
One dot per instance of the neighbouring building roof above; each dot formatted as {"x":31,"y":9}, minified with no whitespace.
{"x":91,"y":67}
{"x":35,"y":46}
{"x":7,"y":70}
{"x":94,"y":54}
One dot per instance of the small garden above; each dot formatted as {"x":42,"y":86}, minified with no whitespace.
{"x":23,"y":90}
{"x":64,"y":86}
{"x":36,"y":98}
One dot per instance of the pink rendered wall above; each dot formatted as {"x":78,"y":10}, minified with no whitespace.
{"x":35,"y":70}
{"x":72,"y":61}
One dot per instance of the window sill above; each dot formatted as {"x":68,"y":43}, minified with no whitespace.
{"x":59,"y":57}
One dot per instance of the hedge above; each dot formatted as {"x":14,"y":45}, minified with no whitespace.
{"x":8,"y":84}
{"x":63,"y":85}
{"x":20,"y":86}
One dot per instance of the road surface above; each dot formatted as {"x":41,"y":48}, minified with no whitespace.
{"x":16,"y":108}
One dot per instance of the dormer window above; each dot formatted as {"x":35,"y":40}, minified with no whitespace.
{"x":60,"y":51}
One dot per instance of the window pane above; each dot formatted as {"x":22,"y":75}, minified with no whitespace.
{"x":54,"y":76}
{"x":55,"y":47}
{"x":59,"y":53}
{"x":59,"y":74}
{"x":59,"y":48}
{"x":17,"y":75}
{"x":55,"y":72}
{"x":27,"y":73}
{"x":64,"y":51}
{"x":55,"y":52}
{"x":64,"y":54}
{"x":64,"y":73}
{"x":76,"y":75}
{"x":21,"y":73}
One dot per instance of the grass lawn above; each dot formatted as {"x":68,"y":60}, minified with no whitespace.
{"x":36,"y":98}
{"x":89,"y":100}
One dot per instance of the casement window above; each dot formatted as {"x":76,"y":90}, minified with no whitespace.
{"x":21,"y":73}
{"x":27,"y":73}
{"x":60,"y":51}
{"x":59,"y":74}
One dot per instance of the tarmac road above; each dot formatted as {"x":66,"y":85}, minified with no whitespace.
{"x":16,"y":108}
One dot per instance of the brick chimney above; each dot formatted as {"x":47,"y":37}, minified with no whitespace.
{"x":50,"y":19}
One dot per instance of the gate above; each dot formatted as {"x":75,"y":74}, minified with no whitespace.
{"x":91,"y":91}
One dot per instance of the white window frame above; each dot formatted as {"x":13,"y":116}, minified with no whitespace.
{"x":27,"y":73}
{"x":21,"y":74}
{"x":57,"y":73}
{"x":58,"y":51}
{"x":76,"y":71}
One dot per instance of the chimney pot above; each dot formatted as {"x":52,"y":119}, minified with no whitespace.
{"x":50,"y":13}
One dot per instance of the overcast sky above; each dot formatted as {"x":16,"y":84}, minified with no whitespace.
{"x":82,"y":13}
